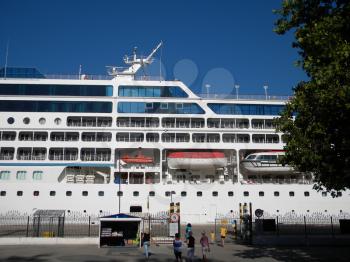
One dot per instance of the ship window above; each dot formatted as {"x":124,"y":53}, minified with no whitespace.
{"x":68,"y":193}
{"x":183,"y":193}
{"x":134,"y":209}
{"x":291,"y":193}
{"x":26,"y":120}
{"x":55,"y":106}
{"x":261,"y":193}
{"x":36,"y":193}
{"x":245,"y":193}
{"x":85,"y":193}
{"x":101,"y":193}
{"x":179,"y":106}
{"x":37,"y":175}
{"x":42,"y":121}
{"x":230,"y":193}
{"x":3,"y":193}
{"x":21,"y":175}
{"x":120,"y":193}
{"x":52,"y":193}
{"x":4,"y":175}
{"x":151,"y":91}
{"x":245,"y":109}
{"x":19,"y":193}
{"x":307,"y":193}
{"x":324,"y":194}
{"x":167,"y":193}
{"x":276,"y":193}
{"x":199,"y":193}
{"x":163,"y":105}
{"x":251,"y":157}
{"x":10,"y":120}
{"x":58,"y":121}
{"x":136,"y":193}
{"x":152,"y":193}
{"x":215,"y":193}
{"x":149,"y":105}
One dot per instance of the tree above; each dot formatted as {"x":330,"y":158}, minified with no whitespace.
{"x":316,"y":121}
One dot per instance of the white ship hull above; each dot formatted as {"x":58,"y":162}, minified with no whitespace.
{"x":64,"y":150}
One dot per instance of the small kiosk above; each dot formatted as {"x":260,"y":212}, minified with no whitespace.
{"x":120,"y":230}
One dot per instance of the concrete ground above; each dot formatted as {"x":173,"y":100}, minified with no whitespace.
{"x":231,"y":252}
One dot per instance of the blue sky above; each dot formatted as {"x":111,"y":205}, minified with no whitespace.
{"x":216,"y":42}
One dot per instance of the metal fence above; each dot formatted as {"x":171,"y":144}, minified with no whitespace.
{"x":14,"y":224}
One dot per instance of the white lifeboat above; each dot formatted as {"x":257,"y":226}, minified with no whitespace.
{"x":265,"y":163}
{"x":197,"y":160}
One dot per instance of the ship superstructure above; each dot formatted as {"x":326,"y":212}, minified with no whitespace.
{"x":97,"y":145}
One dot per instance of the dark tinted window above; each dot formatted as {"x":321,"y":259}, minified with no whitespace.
{"x":261,"y":193}
{"x":306,"y":193}
{"x":68,"y":193}
{"x":19,"y":193}
{"x":136,"y":193}
{"x":55,"y":90}
{"x":230,"y":193}
{"x":245,"y":193}
{"x":52,"y":193}
{"x":183,"y":193}
{"x":152,"y":193}
{"x":199,"y":193}
{"x":135,"y":209}
{"x":276,"y":193}
{"x":101,"y":193}
{"x":55,"y":106}
{"x":85,"y":193}
{"x":245,"y":109}
{"x":215,"y":193}
{"x":166,"y":108}
{"x":36,"y":193}
{"x":291,"y":193}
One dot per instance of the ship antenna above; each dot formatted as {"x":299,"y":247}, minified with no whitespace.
{"x":160,"y":61}
{"x":7,"y":54}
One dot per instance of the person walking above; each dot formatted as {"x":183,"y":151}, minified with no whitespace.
{"x":204,"y":241}
{"x":146,"y":243}
{"x":177,"y":244}
{"x":223,"y":232}
{"x":190,"y":246}
{"x":187,"y":231}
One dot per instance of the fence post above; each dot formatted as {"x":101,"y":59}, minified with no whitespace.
{"x":305,"y":227}
{"x":332,"y":226}
{"x":277,"y":227}
{"x":27,"y":233}
{"x":89,"y":226}
{"x":215,"y":229}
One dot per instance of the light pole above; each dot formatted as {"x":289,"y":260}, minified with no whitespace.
{"x":265,"y":88}
{"x":207,"y":86}
{"x":237,"y":87}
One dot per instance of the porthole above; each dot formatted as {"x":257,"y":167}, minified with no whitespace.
{"x":3,"y":193}
{"x":230,"y":193}
{"x":120,"y":193}
{"x":215,"y":193}
{"x":307,"y":193}
{"x":276,"y":193}
{"x":58,"y":121}
{"x":26,"y":120}
{"x":152,"y":193}
{"x":36,"y":193}
{"x":291,"y":193}
{"x":245,"y":193}
{"x":261,"y":193}
{"x":52,"y":193}
{"x":101,"y":193}
{"x":42,"y":121}
{"x":19,"y":193}
{"x":183,"y":193}
{"x":167,"y":193}
{"x":85,"y":193}
{"x":136,"y":193}
{"x":10,"y":120}
{"x":199,"y":193}
{"x":68,"y":193}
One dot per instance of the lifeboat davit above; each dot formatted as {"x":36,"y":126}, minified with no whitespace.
{"x":265,"y":163}
{"x":138,"y":159}
{"x":196,"y":160}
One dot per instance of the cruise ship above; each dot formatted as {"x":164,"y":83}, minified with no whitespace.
{"x":129,"y":143}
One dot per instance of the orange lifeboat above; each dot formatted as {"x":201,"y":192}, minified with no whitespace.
{"x":138,"y":159}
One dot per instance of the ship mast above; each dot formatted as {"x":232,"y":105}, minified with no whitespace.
{"x":134,"y":62}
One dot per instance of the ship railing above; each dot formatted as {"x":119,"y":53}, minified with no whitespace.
{"x":246,"y":97}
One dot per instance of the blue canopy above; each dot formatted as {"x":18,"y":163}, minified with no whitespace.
{"x":120,"y":217}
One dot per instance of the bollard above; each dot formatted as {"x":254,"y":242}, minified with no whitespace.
{"x":332,"y":226}
{"x":305,"y":227}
